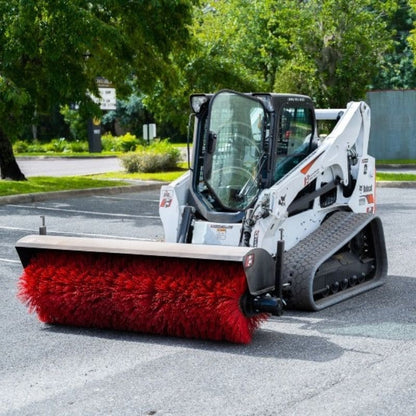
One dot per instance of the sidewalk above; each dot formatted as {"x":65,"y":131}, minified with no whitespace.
{"x":57,"y":167}
{"x":399,"y":168}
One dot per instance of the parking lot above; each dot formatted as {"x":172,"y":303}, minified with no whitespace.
{"x":356,"y":358}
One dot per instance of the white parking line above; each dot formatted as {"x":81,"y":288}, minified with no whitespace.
{"x":29,"y":230}
{"x":10,"y":261}
{"x":33,"y":231}
{"x":118,"y":198}
{"x":76,"y":211}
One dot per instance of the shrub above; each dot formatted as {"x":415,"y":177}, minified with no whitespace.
{"x":78,"y":146}
{"x":25,"y":147}
{"x":57,"y":145}
{"x":109,"y":142}
{"x":158,"y":157}
{"x":126,"y":143}
{"x":36,"y":147}
{"x":20,"y":147}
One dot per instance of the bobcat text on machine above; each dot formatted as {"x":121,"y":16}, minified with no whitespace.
{"x":269,"y":215}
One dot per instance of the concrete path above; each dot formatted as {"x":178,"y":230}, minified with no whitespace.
{"x":397,"y":169}
{"x":48,"y":166}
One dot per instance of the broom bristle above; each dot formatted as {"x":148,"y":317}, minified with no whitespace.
{"x":168,"y":296}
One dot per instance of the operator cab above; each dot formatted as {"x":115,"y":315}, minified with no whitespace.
{"x":243,"y":144}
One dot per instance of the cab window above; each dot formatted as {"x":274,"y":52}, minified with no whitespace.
{"x":295,"y":138}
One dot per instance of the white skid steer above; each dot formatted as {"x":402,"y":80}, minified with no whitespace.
{"x":270,"y":215}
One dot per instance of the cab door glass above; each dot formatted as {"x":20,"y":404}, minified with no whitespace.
{"x":296,"y":128}
{"x":234,"y":145}
{"x":295,"y":138}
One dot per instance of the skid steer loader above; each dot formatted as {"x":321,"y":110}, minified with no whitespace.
{"x":269,"y":216}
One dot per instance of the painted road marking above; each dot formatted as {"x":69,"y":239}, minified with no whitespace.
{"x":35,"y":231}
{"x":76,"y":211}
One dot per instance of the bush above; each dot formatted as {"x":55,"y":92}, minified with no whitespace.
{"x":57,"y":145}
{"x":126,"y":143}
{"x":158,"y":157}
{"x":36,"y":147}
{"x":24,"y":147}
{"x":109,"y":142}
{"x":63,"y":146}
{"x":79,"y":146}
{"x":20,"y":147}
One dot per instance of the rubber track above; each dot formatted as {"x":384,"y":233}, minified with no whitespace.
{"x":303,"y":260}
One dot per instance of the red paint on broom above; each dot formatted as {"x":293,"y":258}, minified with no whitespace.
{"x":168,"y":296}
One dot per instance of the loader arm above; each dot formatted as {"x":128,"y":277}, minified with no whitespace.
{"x":331,"y":159}
{"x":325,"y":181}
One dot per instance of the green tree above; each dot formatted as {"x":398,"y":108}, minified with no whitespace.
{"x":339,"y":45}
{"x":210,"y":63}
{"x":396,"y":68}
{"x":328,"y":49}
{"x":52,"y":52}
{"x":412,"y":36}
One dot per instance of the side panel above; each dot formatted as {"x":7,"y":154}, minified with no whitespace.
{"x":293,"y":230}
{"x":172,"y":200}
{"x":363,"y":198}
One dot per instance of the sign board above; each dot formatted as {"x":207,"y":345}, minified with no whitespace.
{"x":103,"y":82}
{"x":149,"y":131}
{"x":107,"y":100}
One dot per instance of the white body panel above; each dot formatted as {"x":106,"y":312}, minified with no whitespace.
{"x":172,"y":200}
{"x":327,"y":163}
{"x":205,"y":232}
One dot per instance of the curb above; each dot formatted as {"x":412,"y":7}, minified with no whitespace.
{"x":111,"y":190}
{"x":396,"y":184}
{"x":395,"y":166}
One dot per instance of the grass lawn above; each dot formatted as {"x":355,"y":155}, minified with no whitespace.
{"x":396,"y":162}
{"x":395,"y":176}
{"x":50,"y":184}
{"x":157,"y":176}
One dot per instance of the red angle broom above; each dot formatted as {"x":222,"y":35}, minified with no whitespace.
{"x":190,"y":298}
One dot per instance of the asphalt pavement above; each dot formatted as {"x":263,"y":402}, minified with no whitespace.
{"x":355,"y":358}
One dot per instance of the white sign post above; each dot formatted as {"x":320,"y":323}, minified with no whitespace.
{"x":149,"y":132}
